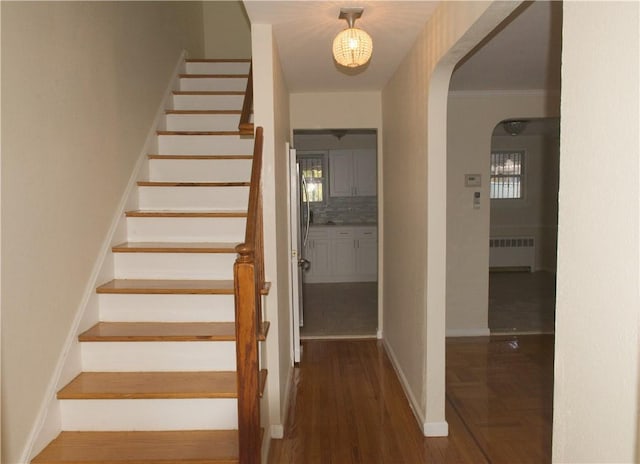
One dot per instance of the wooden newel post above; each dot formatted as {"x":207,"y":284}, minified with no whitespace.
{"x":246,"y":302}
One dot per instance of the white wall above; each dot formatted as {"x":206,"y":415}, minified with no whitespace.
{"x":336,"y":110}
{"x":271,"y":111}
{"x":598,"y":295}
{"x":331,"y":142}
{"x":415,"y":170}
{"x":227,"y":32}
{"x":80,"y":84}
{"x":471,"y":120}
{"x":281,"y":167}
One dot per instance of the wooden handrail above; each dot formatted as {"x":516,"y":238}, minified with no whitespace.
{"x":245,"y":126}
{"x":249,"y":282}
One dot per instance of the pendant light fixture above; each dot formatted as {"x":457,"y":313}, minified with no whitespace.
{"x":514,"y":126}
{"x":352,"y":47}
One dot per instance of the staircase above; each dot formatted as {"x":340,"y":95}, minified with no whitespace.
{"x":161,"y":370}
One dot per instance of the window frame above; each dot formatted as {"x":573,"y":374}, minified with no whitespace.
{"x":316,"y":154}
{"x":523,"y":170}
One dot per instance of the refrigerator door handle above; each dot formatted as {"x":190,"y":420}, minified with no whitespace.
{"x":306,"y":196}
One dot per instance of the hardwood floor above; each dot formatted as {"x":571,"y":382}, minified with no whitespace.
{"x":502,"y":388}
{"x":347,"y":405}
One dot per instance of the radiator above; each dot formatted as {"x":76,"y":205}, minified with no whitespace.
{"x":512,"y":252}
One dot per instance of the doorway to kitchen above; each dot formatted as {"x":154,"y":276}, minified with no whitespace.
{"x":337,"y":181}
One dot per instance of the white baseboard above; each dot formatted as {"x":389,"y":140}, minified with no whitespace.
{"x":415,"y":406}
{"x":429,"y":429}
{"x":48,"y":420}
{"x":473,"y":332}
{"x":435,"y":429}
{"x":522,"y":332}
{"x":277,"y":431}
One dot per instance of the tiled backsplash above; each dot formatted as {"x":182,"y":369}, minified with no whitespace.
{"x":352,"y":210}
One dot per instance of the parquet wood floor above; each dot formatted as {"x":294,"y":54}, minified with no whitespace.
{"x":348,"y":407}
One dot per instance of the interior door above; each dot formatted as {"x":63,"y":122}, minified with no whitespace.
{"x":297,"y":252}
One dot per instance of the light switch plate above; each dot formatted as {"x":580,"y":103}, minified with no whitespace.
{"x":472,"y":180}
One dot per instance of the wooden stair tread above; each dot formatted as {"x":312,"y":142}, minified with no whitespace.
{"x":164,"y":331}
{"x":155,"y":385}
{"x":203,"y":112}
{"x":167,"y":286}
{"x":187,"y":214}
{"x":151,"y":385}
{"x":262,"y":381}
{"x":212,"y":76}
{"x":200,"y":157}
{"x":218,"y":60}
{"x":246,"y":129}
{"x":198,"y":132}
{"x":160,"y":331}
{"x":146,"y":183}
{"x":175,"y":247}
{"x":208,"y":92}
{"x":164,"y":447}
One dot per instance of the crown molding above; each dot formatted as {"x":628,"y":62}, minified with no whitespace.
{"x":504,"y":93}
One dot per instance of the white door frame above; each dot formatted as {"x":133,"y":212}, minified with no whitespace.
{"x":295,"y":247}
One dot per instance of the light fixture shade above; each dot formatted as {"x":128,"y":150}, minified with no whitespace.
{"x":352,"y":47}
{"x":514,"y":127}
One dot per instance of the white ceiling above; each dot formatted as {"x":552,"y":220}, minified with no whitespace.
{"x":304,"y":31}
{"x":524,"y":54}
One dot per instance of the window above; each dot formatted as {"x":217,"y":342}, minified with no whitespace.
{"x":313,"y":171}
{"x":506,"y":175}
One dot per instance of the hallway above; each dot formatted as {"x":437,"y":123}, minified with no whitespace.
{"x":348,"y":407}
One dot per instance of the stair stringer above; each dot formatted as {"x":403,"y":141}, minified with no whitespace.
{"x":48,"y":423}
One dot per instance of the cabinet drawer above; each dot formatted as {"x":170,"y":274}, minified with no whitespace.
{"x":342,"y":232}
{"x":366,"y":232}
{"x":318,"y":233}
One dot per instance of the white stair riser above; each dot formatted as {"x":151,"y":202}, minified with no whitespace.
{"x":204,"y":145}
{"x":218,"y":68}
{"x":168,"y":229}
{"x":208,"y":102}
{"x":202,"y":122}
{"x":149,"y":414}
{"x":190,"y":170}
{"x":193,"y":198}
{"x":158,"y":356}
{"x":166,"y":308}
{"x":174,"y":265}
{"x":215,"y":83}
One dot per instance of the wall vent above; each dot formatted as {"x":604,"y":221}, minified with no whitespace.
{"x":512,"y":252}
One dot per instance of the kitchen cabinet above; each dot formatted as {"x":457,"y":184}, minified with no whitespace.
{"x":342,"y":254}
{"x":317,"y":252}
{"x":352,"y":173}
{"x":366,"y":256}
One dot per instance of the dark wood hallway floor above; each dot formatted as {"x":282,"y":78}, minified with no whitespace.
{"x":348,"y":406}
